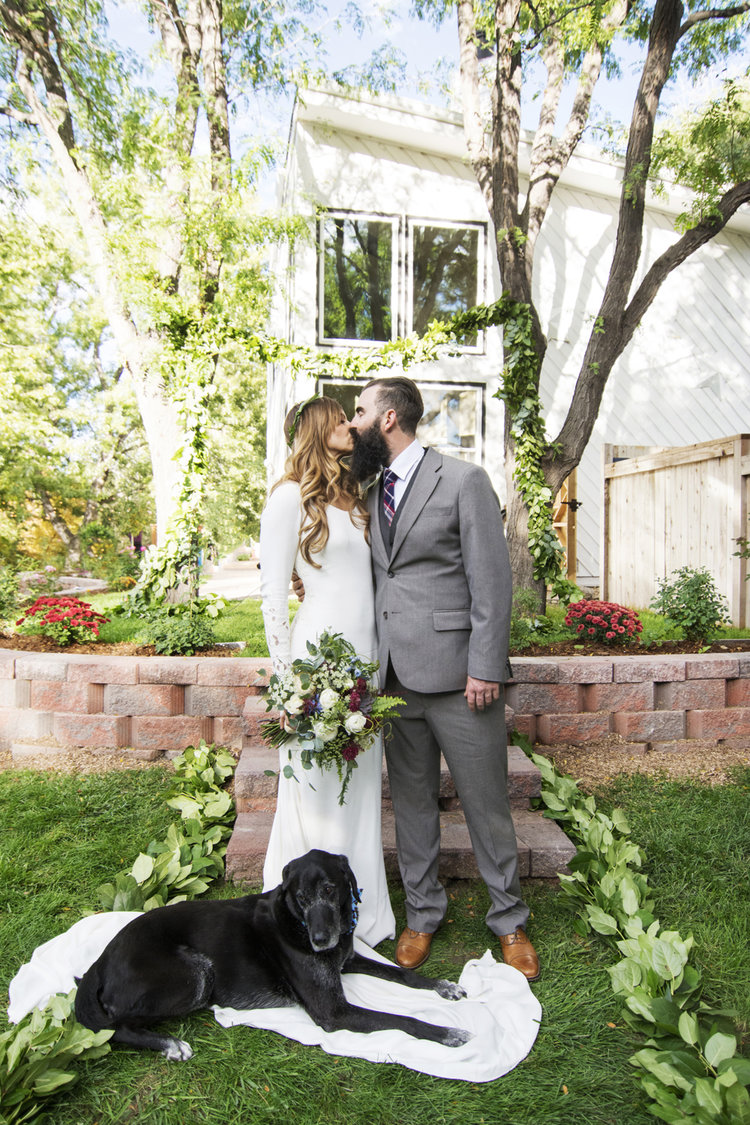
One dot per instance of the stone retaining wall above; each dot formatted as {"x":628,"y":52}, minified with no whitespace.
{"x":147,"y":706}
{"x":659,"y":700}
{"x":142,"y":706}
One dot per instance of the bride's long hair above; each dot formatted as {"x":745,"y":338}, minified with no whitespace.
{"x":319,"y":471}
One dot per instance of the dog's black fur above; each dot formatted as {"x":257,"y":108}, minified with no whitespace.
{"x":286,"y":946}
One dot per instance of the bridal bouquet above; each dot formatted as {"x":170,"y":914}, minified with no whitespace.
{"x":330,"y":707}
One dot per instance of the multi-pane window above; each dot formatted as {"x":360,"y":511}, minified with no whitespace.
{"x":381,"y":276}
{"x":444,"y":274}
{"x":356,"y":278}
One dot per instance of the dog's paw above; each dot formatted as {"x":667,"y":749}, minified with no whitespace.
{"x":178,"y":1051}
{"x":457,"y":1036}
{"x":448,"y":990}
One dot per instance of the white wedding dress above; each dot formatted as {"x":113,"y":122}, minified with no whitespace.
{"x":338,"y":598}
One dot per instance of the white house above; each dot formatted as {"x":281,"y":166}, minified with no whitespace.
{"x":399,"y":234}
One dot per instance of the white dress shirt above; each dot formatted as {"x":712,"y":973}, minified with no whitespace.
{"x":404,"y":466}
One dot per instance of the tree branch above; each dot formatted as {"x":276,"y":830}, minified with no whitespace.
{"x":476,"y":141}
{"x":18,"y":115}
{"x":550,"y":158}
{"x":690,"y":241}
{"x":713,"y":14}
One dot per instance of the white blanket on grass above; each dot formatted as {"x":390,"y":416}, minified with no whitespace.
{"x":500,"y":1009}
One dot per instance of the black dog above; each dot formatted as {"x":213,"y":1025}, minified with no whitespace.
{"x":287,"y":946}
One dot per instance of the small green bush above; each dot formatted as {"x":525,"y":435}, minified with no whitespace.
{"x":181,"y":635}
{"x":690,"y":599}
{"x":527,"y":624}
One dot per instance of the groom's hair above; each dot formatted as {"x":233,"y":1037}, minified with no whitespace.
{"x":402,"y":395}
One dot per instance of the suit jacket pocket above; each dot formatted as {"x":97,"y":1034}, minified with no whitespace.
{"x":445,"y":619}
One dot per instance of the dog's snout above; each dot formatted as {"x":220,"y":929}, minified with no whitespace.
{"x":322,"y":926}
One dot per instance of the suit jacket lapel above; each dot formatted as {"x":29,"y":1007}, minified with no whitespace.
{"x":419,"y":494}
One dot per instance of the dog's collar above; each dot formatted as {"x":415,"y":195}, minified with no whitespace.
{"x":355,"y":909}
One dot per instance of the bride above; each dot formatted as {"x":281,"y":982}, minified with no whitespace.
{"x":315,"y":523}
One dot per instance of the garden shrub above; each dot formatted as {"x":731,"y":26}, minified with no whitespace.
{"x":606,"y":623}
{"x":690,"y":600}
{"x":527,"y":624}
{"x":63,"y":619}
{"x":181,"y":635}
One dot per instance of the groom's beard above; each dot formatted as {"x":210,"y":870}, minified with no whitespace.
{"x":370,"y":453}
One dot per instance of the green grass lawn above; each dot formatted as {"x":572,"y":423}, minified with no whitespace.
{"x":61,"y":836}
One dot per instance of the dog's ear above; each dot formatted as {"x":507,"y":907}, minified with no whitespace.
{"x":350,"y":878}
{"x":285,"y":875}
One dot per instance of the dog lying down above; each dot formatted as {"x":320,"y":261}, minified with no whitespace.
{"x":284,"y":947}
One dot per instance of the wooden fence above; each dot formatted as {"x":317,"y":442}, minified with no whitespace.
{"x":668,"y":508}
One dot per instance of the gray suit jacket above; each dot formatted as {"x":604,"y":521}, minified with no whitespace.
{"x":443,"y":597}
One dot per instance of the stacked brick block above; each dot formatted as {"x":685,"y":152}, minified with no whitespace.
{"x":156,"y":705}
{"x":651,"y":699}
{"x":143,"y":707}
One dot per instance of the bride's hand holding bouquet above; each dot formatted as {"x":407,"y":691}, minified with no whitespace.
{"x":329,"y":706}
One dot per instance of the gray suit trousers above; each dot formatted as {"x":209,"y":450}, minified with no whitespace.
{"x":474,"y":746}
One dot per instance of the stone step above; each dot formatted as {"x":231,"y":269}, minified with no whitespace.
{"x":255,"y":789}
{"x":543,"y":848}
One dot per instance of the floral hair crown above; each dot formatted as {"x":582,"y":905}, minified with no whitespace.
{"x":295,"y":420}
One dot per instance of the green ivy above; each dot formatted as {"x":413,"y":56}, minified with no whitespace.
{"x":690,"y":1067}
{"x":519,"y":391}
{"x":187,"y":365}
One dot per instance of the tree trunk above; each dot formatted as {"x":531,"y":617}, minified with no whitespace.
{"x":517,"y":534}
{"x":165,"y":437}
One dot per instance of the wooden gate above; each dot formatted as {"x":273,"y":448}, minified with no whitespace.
{"x":668,"y":508}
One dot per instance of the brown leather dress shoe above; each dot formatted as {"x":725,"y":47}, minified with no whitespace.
{"x":519,"y":953}
{"x":413,"y":948}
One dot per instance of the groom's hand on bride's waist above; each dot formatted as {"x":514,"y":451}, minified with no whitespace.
{"x":298,"y":586}
{"x":480,"y":693}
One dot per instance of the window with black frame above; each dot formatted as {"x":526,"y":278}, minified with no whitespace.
{"x":356,"y":277}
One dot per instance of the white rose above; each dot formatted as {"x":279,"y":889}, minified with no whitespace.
{"x":355,"y":722}
{"x":328,"y":699}
{"x":294,"y":705}
{"x":323,"y":731}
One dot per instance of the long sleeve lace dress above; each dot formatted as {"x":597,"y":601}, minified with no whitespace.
{"x":338,"y":598}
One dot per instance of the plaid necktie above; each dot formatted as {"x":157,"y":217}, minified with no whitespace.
{"x":389,"y":501}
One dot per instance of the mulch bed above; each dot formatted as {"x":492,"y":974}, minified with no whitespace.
{"x":560,"y":648}
{"x":665,"y":648}
{"x":98,"y":648}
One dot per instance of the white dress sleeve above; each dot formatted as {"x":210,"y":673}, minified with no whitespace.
{"x":279,"y":540}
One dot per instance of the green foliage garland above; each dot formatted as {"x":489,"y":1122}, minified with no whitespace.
{"x":188,"y":364}
{"x":519,"y":391}
{"x":186,"y":861}
{"x":690,"y":1067}
{"x":35,"y":1053}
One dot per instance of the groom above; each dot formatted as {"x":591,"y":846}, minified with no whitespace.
{"x":442,"y":609}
